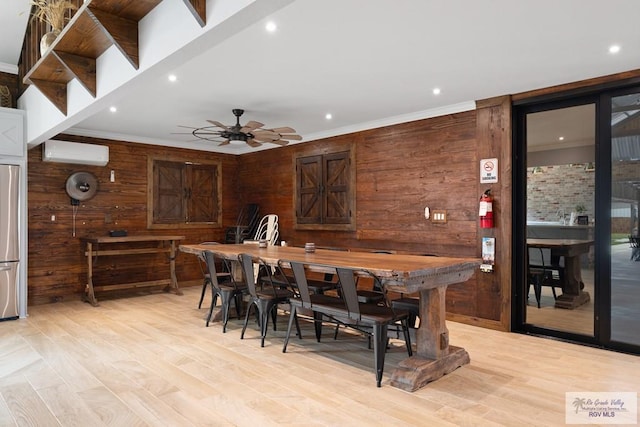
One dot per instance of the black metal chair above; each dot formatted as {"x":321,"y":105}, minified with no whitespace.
{"x":265,"y":299}
{"x":246,"y":224}
{"x":346,"y":310}
{"x":223,"y":274}
{"x":544,"y":270}
{"x":227,"y":291}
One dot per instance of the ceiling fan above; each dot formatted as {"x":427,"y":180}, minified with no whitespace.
{"x":252,"y":133}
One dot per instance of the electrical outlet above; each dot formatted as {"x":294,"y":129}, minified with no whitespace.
{"x":439,"y":216}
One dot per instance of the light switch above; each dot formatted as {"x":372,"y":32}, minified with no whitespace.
{"x":439,"y":216}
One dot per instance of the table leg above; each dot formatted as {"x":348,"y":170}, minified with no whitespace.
{"x":90,"y":295}
{"x":172,"y":268}
{"x":435,"y":358}
{"x":572,"y":294}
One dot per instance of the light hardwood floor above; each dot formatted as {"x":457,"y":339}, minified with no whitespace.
{"x":149,"y":360}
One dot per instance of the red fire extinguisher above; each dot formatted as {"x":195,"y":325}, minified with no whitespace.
{"x":486,"y":210}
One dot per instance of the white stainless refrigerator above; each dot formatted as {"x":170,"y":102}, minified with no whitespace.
{"x":9,"y":241}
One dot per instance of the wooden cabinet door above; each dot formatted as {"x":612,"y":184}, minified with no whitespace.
{"x":336,"y":184}
{"x":202,"y":194}
{"x":309,"y":189}
{"x":169,"y":187}
{"x":324,"y":186}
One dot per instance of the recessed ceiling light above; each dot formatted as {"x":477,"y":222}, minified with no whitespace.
{"x":561,"y":138}
{"x":328,"y":116}
{"x":271,"y":26}
{"x":614,"y":48}
{"x":436,"y":91}
{"x":113,"y":109}
{"x":172,"y":77}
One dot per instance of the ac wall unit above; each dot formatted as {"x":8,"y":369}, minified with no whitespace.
{"x":73,"y":152}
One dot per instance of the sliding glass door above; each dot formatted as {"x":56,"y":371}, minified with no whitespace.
{"x":625,"y":237}
{"x":577,"y":217}
{"x":560,"y":218}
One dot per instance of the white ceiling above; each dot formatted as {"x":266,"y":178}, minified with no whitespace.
{"x":368,"y":63}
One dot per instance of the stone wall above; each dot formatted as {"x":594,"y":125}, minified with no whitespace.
{"x":553,"y":189}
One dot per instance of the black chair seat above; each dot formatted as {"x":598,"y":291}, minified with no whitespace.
{"x":411,"y":305}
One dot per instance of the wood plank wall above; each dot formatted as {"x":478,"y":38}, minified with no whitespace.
{"x":400,"y":170}
{"x":57,"y":266}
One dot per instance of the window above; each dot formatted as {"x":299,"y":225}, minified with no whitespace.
{"x":324,"y":197}
{"x":183,"y":193}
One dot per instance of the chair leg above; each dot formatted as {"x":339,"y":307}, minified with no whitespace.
{"x":204,"y":290}
{"x":226,"y":306}
{"x":274,"y":314}
{"x":246,"y":319}
{"x":292,"y":317}
{"x":213,"y":298}
{"x":238,"y":301}
{"x":264,"y":323}
{"x":379,"y":350}
{"x":317,"y":323}
{"x":407,"y":336}
{"x":537,"y":288}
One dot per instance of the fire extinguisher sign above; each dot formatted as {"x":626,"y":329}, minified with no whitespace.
{"x":488,"y":171}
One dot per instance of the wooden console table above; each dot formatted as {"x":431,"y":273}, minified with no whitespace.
{"x":93,"y":251}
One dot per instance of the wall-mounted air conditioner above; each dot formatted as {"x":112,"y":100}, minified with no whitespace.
{"x":73,"y":152}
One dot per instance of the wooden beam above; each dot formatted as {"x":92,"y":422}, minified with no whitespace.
{"x":122,"y":32}
{"x":54,"y":91}
{"x":199,"y":10}
{"x":83,"y":68}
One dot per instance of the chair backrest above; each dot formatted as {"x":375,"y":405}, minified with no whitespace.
{"x":301,"y":282}
{"x":210,"y":261}
{"x":201,"y":254}
{"x":246,"y":262}
{"x":268,"y":229}
{"x":349,"y":291}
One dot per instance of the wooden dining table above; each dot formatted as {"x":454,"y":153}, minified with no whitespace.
{"x":573,"y":293}
{"x":427,"y":276}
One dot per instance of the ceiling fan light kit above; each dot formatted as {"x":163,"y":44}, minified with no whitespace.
{"x":252,"y":133}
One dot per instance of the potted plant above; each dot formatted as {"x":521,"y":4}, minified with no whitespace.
{"x":53,"y":13}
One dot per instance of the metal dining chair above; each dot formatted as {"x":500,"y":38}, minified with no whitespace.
{"x":227,"y":291}
{"x":265,"y":299}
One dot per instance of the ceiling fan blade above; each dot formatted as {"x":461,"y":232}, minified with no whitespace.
{"x":265,"y":135}
{"x":253,"y":143}
{"x":279,"y":142}
{"x":251,"y":126}
{"x":224,"y":143}
{"x":283,"y":130}
{"x":292,"y":137}
{"x":188,"y":127}
{"x":217,"y":123}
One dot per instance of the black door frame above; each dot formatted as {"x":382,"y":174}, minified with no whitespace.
{"x":601,"y":96}
{"x":519,"y":294}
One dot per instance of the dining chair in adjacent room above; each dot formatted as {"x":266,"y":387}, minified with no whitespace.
{"x":265,"y":299}
{"x":227,"y":291}
{"x":543,"y":270}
